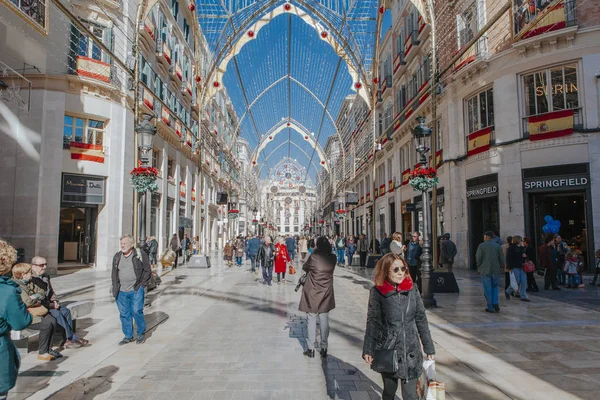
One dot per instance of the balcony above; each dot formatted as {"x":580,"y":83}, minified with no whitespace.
{"x":163,"y":53}
{"x":147,"y":99}
{"x":399,"y":62}
{"x":411,"y":42}
{"x":549,"y":18}
{"x":385,"y":85}
{"x":147,"y":29}
{"x":553,"y":124}
{"x":186,"y":88}
{"x":176,"y":72}
{"x":424,"y":28}
{"x":478,"y":51}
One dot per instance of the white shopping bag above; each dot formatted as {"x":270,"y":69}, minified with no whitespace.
{"x":513,"y":282}
{"x":435,"y":389}
{"x":429,"y":367}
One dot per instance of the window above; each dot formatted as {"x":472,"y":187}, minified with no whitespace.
{"x":156,"y":159}
{"x":550,"y":90}
{"x":86,"y":47}
{"x":480,"y":111}
{"x":82,"y":130}
{"x":170,"y":168}
{"x":31,"y":10}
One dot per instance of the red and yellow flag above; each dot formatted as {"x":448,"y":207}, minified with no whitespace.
{"x":550,"y":19}
{"x":479,"y":141}
{"x":391,"y":186}
{"x":87,"y":152}
{"x":438,"y":159}
{"x":405,"y":176}
{"x":551,"y":125}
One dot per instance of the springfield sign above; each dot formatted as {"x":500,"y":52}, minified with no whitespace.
{"x":555,"y":183}
{"x":482,"y":191}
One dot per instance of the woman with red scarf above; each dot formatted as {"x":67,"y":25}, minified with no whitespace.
{"x":282,"y":257}
{"x":396,"y":326}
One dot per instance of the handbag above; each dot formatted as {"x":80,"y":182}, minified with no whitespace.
{"x":385,"y":360}
{"x":529,"y":266}
{"x":38,"y":311}
{"x":291,"y":270}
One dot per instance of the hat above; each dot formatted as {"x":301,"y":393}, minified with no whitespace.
{"x":489,"y":233}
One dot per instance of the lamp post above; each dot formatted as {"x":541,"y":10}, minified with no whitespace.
{"x":420,"y":132}
{"x":145,"y":133}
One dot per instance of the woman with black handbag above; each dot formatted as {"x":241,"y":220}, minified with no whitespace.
{"x":396,"y":328}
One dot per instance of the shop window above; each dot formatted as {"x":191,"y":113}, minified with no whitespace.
{"x":480,"y":111}
{"x":551,"y":90}
{"x":82,"y":130}
{"x":31,"y":10}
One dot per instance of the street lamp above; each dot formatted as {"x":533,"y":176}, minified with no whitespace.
{"x":145,"y":133}
{"x":420,"y":132}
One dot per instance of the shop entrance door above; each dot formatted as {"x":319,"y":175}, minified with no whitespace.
{"x":77,"y":235}
{"x":568,"y":208}
{"x":392,"y":218}
{"x":483,"y":216}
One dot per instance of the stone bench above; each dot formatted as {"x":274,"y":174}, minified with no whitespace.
{"x":78,"y":310}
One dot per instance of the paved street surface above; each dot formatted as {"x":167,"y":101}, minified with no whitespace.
{"x":218,"y":334}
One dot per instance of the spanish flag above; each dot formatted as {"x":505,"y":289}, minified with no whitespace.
{"x":550,"y":19}
{"x":382,"y":190}
{"x":405,"y":176}
{"x":87,"y":152}
{"x":551,"y":125}
{"x":438,"y":159}
{"x":479,"y":141}
{"x":391,"y":186}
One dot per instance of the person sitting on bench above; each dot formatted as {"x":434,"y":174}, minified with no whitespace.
{"x":43,"y":286}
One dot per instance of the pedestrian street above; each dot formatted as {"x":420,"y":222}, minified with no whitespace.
{"x":219,"y":334}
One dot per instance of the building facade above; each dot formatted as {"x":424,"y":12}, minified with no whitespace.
{"x":517,"y":123}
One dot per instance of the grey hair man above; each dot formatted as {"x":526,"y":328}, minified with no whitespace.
{"x":130,"y":276}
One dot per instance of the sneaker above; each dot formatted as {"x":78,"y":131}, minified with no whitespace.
{"x":55,"y":354}
{"x":46,"y":357}
{"x":490,"y":311}
{"x":323,"y":353}
{"x":71,"y":344}
{"x":526,"y":299}
{"x":125,"y":341}
{"x":496,"y":308}
{"x":140,"y":339}
{"x":309,"y":353}
{"x":283,"y":280}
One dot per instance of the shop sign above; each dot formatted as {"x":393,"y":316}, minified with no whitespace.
{"x":555,"y":183}
{"x":482,"y":191}
{"x":83,"y":189}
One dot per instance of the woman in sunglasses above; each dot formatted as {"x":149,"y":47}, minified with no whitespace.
{"x":396,"y":321}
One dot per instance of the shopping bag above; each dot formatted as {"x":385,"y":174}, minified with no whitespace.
{"x":422,"y":386}
{"x":436,"y":391}
{"x":291,"y":270}
{"x":513,"y":282}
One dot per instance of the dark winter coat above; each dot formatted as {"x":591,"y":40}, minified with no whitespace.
{"x":153,"y":247}
{"x":141,"y":267}
{"x":317,"y":293}
{"x":413,"y":254}
{"x":396,"y":319}
{"x":252,"y":246}
{"x":13,"y":316}
{"x":447,"y":251}
{"x":514,"y":256}
{"x":264,"y":257}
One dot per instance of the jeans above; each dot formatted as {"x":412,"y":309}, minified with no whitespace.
{"x":253,"y":262}
{"x":573,"y":281}
{"x":238,"y":260}
{"x":490,"y":290}
{"x":390,"y":386}
{"x":46,"y":328}
{"x":340,"y":255}
{"x":521,"y":278}
{"x":131,"y":307}
{"x":63,"y":318}
{"x":312,"y":329}
{"x":560,"y":276}
{"x":291,"y":253}
{"x":267,"y":274}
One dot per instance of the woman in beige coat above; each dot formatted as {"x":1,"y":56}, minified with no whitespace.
{"x":303,"y":247}
{"x":317,"y":294}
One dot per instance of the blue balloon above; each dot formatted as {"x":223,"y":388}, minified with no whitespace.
{"x":548,"y":218}
{"x":546,"y":229}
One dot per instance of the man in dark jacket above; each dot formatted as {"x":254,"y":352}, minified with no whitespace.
{"x":266,"y":258}
{"x":290,"y":243}
{"x":252,"y":247}
{"x":490,"y":262}
{"x":413,"y":258}
{"x":130,"y":276}
{"x":385,"y":244}
{"x":447,"y":252}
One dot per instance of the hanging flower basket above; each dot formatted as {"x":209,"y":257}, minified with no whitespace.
{"x":143,"y":179}
{"x":423,"y":179}
{"x":233,"y":213}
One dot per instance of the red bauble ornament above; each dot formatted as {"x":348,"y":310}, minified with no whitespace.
{"x":375,"y":80}
{"x":305,"y":137}
{"x":288,"y":124}
{"x":192,"y":7}
{"x":251,"y":34}
{"x":381,"y":10}
{"x":253,"y":162}
{"x":324,"y":34}
{"x":322,"y":162}
{"x":198,"y":79}
{"x":358,"y":85}
{"x":270,"y":137}
{"x":287,"y":7}
{"x":216,"y":84}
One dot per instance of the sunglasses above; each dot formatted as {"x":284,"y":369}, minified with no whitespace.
{"x":398,"y":269}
